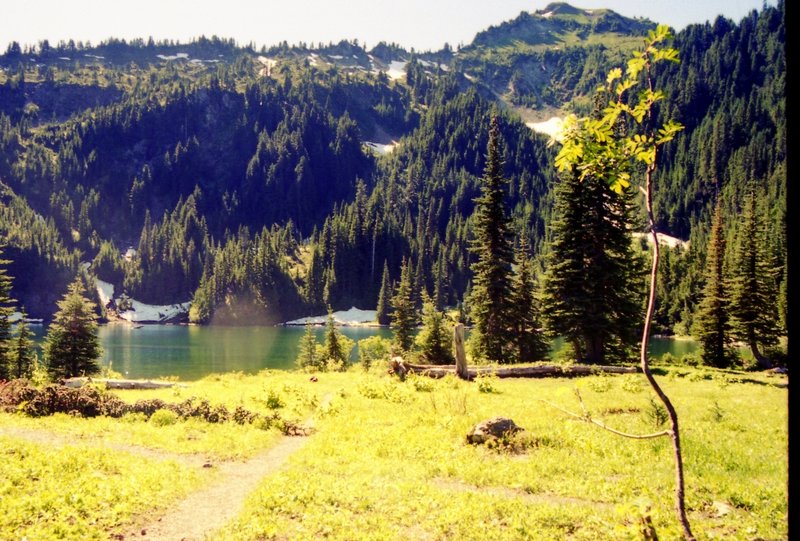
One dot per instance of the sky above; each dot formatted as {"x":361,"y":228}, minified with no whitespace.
{"x":419,"y":24}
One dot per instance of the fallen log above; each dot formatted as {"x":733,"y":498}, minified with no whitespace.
{"x":120,"y":383}
{"x":400,"y":367}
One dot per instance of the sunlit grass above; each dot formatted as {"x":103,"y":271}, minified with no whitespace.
{"x":79,"y":492}
{"x":228,"y":441}
{"x":389,"y":459}
{"x":391,"y":462}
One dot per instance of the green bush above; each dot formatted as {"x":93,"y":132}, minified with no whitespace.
{"x":274,"y":400}
{"x":373,"y":350}
{"x":668,"y":359}
{"x":421,"y":384}
{"x":632,"y":383}
{"x":486,"y":383}
{"x":164,"y":417}
{"x":690,"y":359}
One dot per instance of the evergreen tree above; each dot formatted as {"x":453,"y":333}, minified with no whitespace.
{"x":712,"y":326}
{"x":490,"y":301}
{"x":753,"y":295}
{"x":404,"y":310}
{"x":23,"y":355}
{"x":529,"y":341}
{"x":591,"y":288}
{"x":71,"y":347}
{"x":309,"y":356}
{"x":435,"y":338}
{"x":382,"y":311}
{"x":6,"y":310}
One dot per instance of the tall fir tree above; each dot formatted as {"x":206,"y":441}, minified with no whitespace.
{"x":490,"y":300}
{"x":712,"y":326}
{"x":592,"y":287}
{"x":6,"y":311}
{"x":754,"y":296}
{"x":383,"y":309}
{"x":72,"y":347}
{"x":404,"y":310}
{"x":530,"y":343}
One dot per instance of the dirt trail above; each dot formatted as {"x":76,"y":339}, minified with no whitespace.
{"x":204,"y":512}
{"x":207,"y":510}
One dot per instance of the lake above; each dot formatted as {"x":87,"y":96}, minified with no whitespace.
{"x":192,"y":352}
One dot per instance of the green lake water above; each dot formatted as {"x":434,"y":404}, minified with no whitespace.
{"x":192,"y":352}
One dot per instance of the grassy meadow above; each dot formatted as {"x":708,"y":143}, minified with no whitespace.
{"x":388,"y":459}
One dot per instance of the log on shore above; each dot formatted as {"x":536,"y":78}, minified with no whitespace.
{"x":120,"y":383}
{"x":541,"y":371}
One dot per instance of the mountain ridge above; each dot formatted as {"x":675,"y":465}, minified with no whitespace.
{"x":260,"y":161}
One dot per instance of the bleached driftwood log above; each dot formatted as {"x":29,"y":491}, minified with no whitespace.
{"x":541,"y":371}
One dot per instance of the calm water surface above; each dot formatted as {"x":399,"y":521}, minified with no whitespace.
{"x":193,"y":352}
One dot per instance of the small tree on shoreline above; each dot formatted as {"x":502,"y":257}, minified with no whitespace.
{"x":754,"y":299}
{"x":23,"y":356}
{"x":435,"y":338}
{"x":6,"y":310}
{"x":404,"y":310}
{"x":529,"y":340}
{"x":71,"y":347}
{"x":309,"y":357}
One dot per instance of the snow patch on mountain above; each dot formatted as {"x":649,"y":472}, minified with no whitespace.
{"x":104,"y":290}
{"x":381,"y":149}
{"x":353,"y":316}
{"x":397,"y":69}
{"x":176,"y":56}
{"x":269,"y":64}
{"x":664,"y":239}
{"x":148,"y":313}
{"x":551,"y":127}
{"x":141,"y":312}
{"x":17,"y":316}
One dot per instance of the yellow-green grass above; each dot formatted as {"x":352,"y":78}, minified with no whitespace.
{"x":390,"y":462}
{"x":78,"y":492}
{"x":228,"y":441}
{"x":267,"y":393}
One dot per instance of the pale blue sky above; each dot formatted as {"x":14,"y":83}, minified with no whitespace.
{"x":421,"y":24}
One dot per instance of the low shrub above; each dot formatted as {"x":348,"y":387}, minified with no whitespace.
{"x":486,"y":383}
{"x":164,"y":417}
{"x":91,"y":401}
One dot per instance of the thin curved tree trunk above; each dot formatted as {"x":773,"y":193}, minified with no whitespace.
{"x":680,"y":497}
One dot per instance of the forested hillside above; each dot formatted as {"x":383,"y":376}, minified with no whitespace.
{"x":266,"y":184}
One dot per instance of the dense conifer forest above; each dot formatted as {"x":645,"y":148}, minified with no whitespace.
{"x":262,"y":185}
